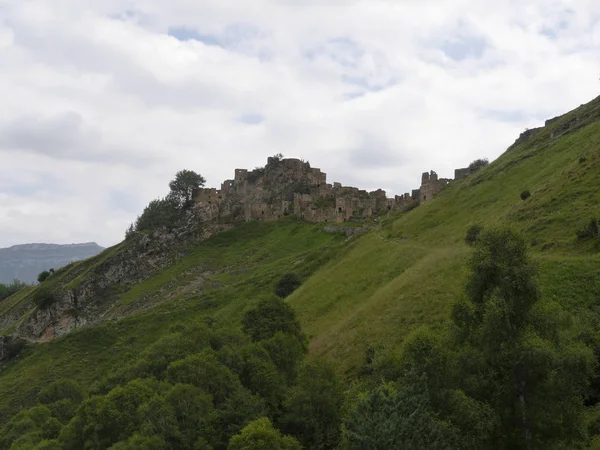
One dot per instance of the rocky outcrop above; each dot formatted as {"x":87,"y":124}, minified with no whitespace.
{"x":88,"y":293}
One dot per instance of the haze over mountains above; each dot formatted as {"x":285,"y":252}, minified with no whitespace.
{"x":25,"y":262}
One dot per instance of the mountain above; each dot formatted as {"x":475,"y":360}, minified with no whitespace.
{"x":366,"y":284}
{"x":25,"y":262}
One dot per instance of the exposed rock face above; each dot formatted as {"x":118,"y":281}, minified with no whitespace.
{"x":91,"y":301}
{"x":25,"y":262}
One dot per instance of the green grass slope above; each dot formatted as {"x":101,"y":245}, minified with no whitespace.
{"x":415,"y":267}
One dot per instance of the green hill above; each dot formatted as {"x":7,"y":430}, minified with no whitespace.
{"x":357,"y":293}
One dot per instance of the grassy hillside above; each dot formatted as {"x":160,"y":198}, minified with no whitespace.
{"x":219,"y":278}
{"x":410,"y":272}
{"x":357,"y":294}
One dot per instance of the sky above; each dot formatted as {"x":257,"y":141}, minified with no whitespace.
{"x":102,"y":102}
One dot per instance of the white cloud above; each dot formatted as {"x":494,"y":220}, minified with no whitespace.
{"x":102,"y":102}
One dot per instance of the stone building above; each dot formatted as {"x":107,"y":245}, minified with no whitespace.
{"x":291,"y":187}
{"x":431,"y":185}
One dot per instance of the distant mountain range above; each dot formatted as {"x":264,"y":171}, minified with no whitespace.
{"x":25,"y":262}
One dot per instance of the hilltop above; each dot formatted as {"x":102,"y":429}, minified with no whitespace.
{"x":361,"y":291}
{"x":24,"y":262}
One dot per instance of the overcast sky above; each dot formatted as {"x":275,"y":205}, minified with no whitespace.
{"x":101,"y":102}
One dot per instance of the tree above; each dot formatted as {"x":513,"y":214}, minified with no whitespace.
{"x":42,"y":276}
{"x":183,"y":187}
{"x":261,"y":435}
{"x":29,"y":428}
{"x":287,"y":284}
{"x":204,"y":370}
{"x":393,"y":416}
{"x":478,"y":164}
{"x":269,"y":317}
{"x":510,"y":351}
{"x":61,"y":389}
{"x":313,"y":408}
{"x":158,"y":213}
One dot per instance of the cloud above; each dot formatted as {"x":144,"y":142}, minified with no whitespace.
{"x":102,"y":102}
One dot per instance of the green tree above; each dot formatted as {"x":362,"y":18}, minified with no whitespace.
{"x":204,"y":370}
{"x":62,"y":398}
{"x":393,"y":416}
{"x":269,"y":317}
{"x":62,"y":389}
{"x":260,"y":375}
{"x":158,"y":213}
{"x":102,"y":421}
{"x":313,"y":408}
{"x":140,"y":442}
{"x":183,"y":187}
{"x":28,"y":428}
{"x":193,"y":411}
{"x":261,"y":435}
{"x":42,"y":276}
{"x":478,"y":164}
{"x":287,"y":284}
{"x":510,"y":352}
{"x":286,"y":351}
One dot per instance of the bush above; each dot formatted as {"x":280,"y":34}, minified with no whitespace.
{"x":269,"y":317}
{"x":261,"y":434}
{"x":478,"y":164}
{"x":61,"y":389}
{"x":287,"y":284}
{"x":590,"y":231}
{"x":525,"y":195}
{"x":42,"y":276}
{"x":158,"y":213}
{"x":43,"y":297}
{"x":473,"y":234}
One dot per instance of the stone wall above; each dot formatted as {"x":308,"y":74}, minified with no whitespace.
{"x":431,"y":185}
{"x":291,"y":187}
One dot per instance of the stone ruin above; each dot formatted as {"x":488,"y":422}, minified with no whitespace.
{"x":292,"y":187}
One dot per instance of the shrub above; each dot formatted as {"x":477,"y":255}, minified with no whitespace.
{"x":473,"y":234}
{"x":525,"y":195}
{"x":269,"y":317}
{"x":590,"y":231}
{"x":43,"y":297}
{"x":261,"y":434}
{"x":158,"y":213}
{"x":478,"y":164}
{"x":287,"y":284}
{"x":43,"y":276}
{"x":61,"y":389}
